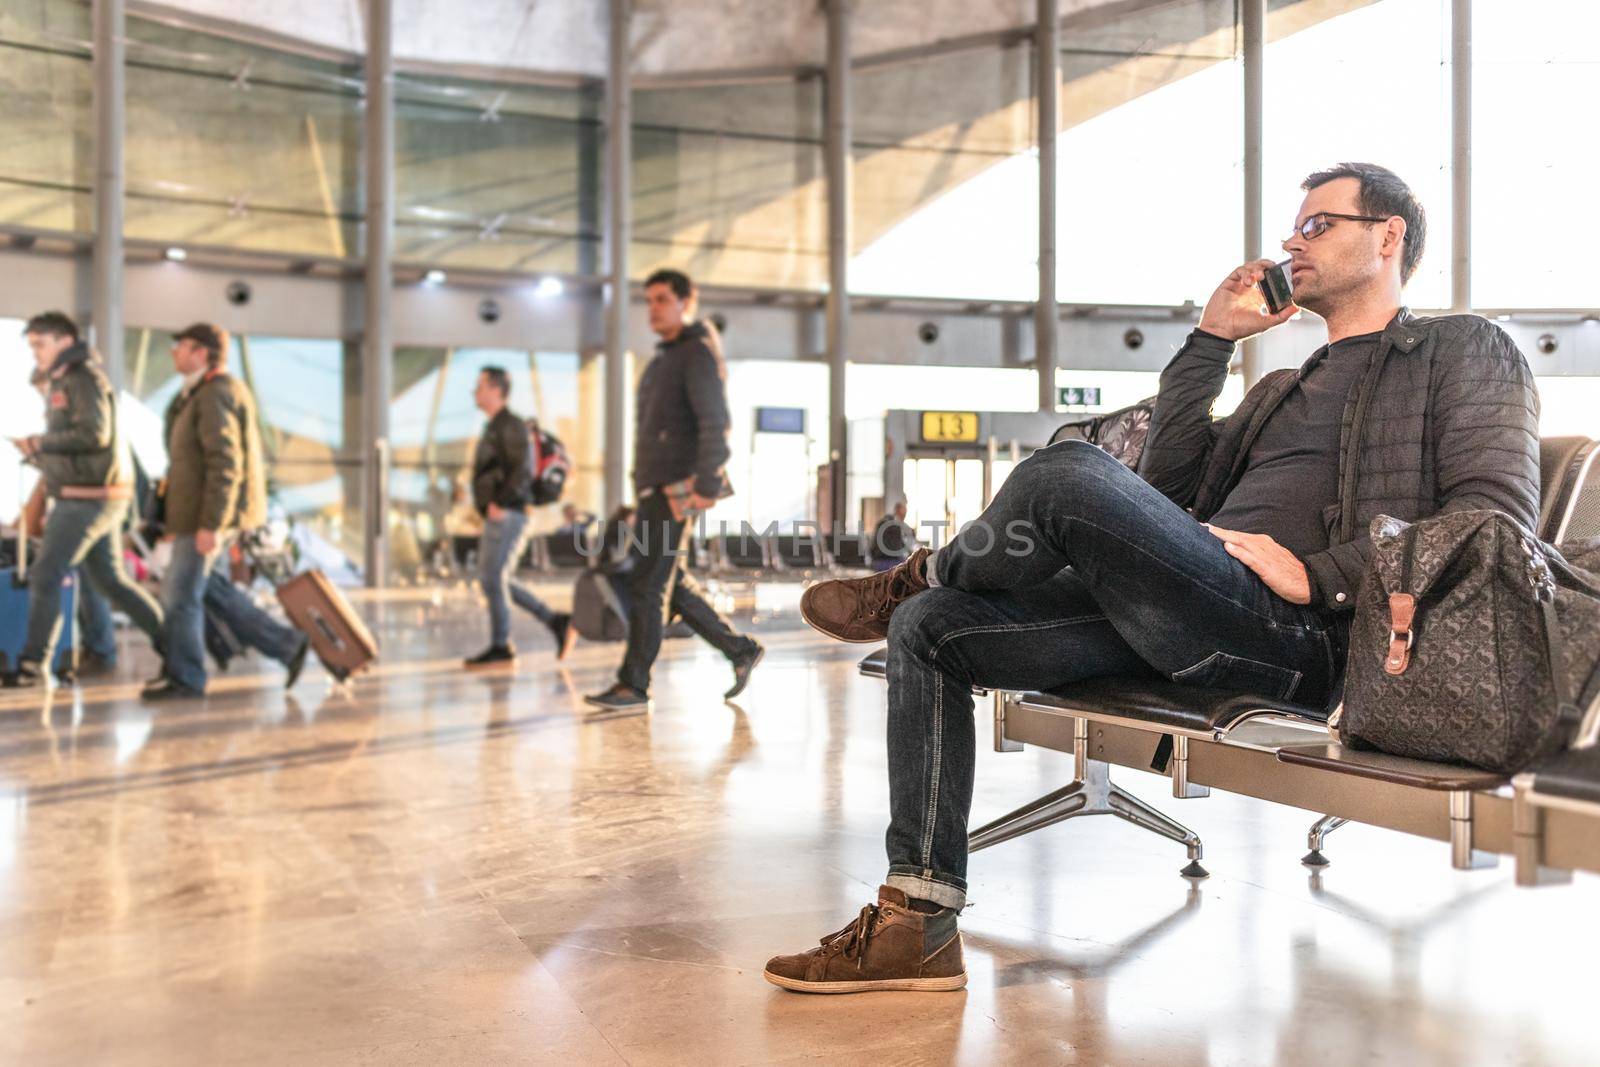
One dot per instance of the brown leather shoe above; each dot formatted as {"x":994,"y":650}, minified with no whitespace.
{"x":889,"y":946}
{"x":858,"y":609}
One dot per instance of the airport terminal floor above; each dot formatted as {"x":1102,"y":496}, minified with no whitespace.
{"x":440,"y":867}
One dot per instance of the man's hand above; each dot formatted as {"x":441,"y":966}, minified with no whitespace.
{"x":1275,"y":565}
{"x":496,"y":512}
{"x":1237,"y":310}
{"x":697,"y":502}
{"x":205,"y":541}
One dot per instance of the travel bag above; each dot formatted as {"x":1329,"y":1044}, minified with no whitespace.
{"x":14,"y":612}
{"x":1473,"y":642}
{"x":338,"y":636}
{"x":1121,"y":433}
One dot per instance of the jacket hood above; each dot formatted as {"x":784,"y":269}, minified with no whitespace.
{"x":78,"y":353}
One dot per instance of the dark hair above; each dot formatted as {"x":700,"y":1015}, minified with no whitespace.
{"x":209,"y":336}
{"x":498,"y":378}
{"x":679,"y":281}
{"x":54,"y":323}
{"x":1383,"y":193}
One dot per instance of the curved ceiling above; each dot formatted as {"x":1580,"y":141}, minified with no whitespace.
{"x":671,"y":38}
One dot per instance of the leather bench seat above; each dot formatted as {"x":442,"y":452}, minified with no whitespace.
{"x":1571,"y":775}
{"x":1382,"y":767}
{"x":1163,"y":703}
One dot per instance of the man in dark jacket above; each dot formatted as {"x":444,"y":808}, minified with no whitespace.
{"x":215,"y":488}
{"x":1232,"y":564}
{"x":502,"y":490}
{"x":88,"y":469}
{"x":680,"y":455}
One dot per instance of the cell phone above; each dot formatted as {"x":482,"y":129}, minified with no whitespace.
{"x":1277,"y":287}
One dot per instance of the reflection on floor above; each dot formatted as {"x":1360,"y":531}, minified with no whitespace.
{"x":444,"y":868}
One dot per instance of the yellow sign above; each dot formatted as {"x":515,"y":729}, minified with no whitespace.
{"x":957,"y":427}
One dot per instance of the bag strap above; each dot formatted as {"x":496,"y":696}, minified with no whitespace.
{"x":1402,"y":609}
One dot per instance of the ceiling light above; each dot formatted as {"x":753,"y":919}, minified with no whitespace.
{"x":176,"y":254}
{"x":433,"y":277}
{"x":1503,"y":318}
{"x":549,"y":286}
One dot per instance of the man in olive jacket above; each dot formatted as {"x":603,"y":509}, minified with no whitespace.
{"x":679,"y":470}
{"x":215,"y":488}
{"x":88,"y":472}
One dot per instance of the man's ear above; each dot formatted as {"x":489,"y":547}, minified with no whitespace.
{"x":1394,"y":237}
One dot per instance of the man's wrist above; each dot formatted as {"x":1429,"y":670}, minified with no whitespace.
{"x":1208,"y":338}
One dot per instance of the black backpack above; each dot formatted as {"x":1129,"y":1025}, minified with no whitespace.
{"x":551,"y":464}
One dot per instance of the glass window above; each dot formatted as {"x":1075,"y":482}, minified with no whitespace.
{"x":1368,"y":85}
{"x":501,"y":177}
{"x":1535,"y":68}
{"x":1569,"y":405}
{"x":45,"y":154}
{"x":728,"y":183}
{"x":943,"y":180}
{"x":235,"y":145}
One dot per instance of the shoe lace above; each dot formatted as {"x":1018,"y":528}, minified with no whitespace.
{"x":851,"y":941}
{"x":878,"y":595}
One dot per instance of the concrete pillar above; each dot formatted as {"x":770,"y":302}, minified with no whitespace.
{"x":1046,"y":321}
{"x":836,"y":152}
{"x":619,"y":232}
{"x":1461,"y":155}
{"x":1254,"y":15}
{"x":377,"y":348}
{"x":110,"y":88}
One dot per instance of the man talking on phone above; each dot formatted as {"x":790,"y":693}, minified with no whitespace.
{"x":1231,"y":560}
{"x":679,"y":471}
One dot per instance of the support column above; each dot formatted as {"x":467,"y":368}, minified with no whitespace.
{"x":1254,"y":17}
{"x":619,"y":232}
{"x":1047,"y":91}
{"x":836,"y":149}
{"x":110,"y":88}
{"x":1461,"y":155}
{"x":377,"y":348}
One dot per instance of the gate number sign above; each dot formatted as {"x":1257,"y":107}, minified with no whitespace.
{"x":959,"y":427}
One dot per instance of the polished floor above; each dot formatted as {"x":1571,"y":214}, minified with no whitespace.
{"x":441,"y":868}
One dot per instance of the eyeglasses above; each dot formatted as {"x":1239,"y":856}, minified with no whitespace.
{"x":1317,"y":224}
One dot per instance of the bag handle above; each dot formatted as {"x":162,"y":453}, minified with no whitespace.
{"x":1402,"y":610}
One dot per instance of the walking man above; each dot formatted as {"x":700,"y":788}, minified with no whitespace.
{"x":502,"y":490}
{"x":215,"y":488}
{"x":679,"y":461}
{"x":88,"y":471}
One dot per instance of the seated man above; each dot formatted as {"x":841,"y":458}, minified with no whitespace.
{"x":1233,"y":562}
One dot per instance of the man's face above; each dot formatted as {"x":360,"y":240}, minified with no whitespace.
{"x":569,"y":513}
{"x":46,"y":347}
{"x":900,"y":512}
{"x":1348,"y":258}
{"x":189,"y":357}
{"x":667,"y":312}
{"x":488,"y":396}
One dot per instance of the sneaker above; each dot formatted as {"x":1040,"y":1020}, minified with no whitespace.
{"x":888,"y":946}
{"x":742,"y":669}
{"x":620,"y":698}
{"x":297,"y":662}
{"x":94,"y":665}
{"x":28,"y":676}
{"x":565,"y":633}
{"x":166,"y":689}
{"x":858,"y":609}
{"x":492,"y":656}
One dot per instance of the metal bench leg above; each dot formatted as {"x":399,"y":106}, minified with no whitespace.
{"x":1130,"y":808}
{"x":1527,"y":837}
{"x":1319,"y":830}
{"x":1003,"y":701}
{"x":1463,"y":857}
{"x":1078,"y":798}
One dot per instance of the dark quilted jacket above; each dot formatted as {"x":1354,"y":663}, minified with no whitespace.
{"x":1446,"y":418}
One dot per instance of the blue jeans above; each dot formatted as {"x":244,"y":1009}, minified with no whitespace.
{"x":1078,"y":569}
{"x":499,"y":549}
{"x":253,"y":627}
{"x":183,"y":594}
{"x":660,"y":587}
{"x":86,"y":534}
{"x":97,"y":632}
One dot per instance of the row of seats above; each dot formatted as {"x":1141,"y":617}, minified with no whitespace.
{"x":1548,"y":819}
{"x":805,"y":554}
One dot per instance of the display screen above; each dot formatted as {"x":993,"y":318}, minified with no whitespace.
{"x":780,"y":420}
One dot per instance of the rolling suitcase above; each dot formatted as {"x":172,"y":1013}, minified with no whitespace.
{"x":338,"y":636}
{"x":14,"y":613}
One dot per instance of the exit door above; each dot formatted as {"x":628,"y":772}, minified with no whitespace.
{"x":945,"y":490}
